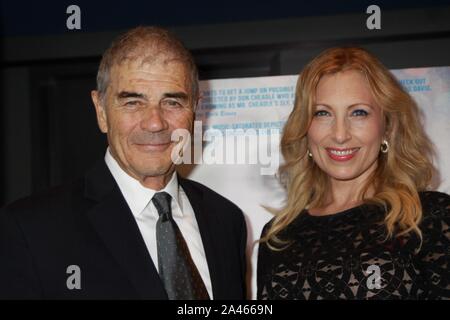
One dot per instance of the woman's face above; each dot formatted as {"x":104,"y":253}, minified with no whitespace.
{"x":347,"y":128}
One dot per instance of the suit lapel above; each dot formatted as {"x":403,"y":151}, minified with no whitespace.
{"x":205,"y":223}
{"x":115,"y":224}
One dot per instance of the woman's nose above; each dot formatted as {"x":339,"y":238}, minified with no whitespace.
{"x":341,"y":131}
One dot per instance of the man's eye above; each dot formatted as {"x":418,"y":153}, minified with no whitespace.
{"x":132,"y":103}
{"x":172,"y":103}
{"x":321,"y":113}
{"x":360,"y":113}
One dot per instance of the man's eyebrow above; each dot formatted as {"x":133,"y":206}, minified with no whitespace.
{"x":128,"y":94}
{"x":176,"y":95}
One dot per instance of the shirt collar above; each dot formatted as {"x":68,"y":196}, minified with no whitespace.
{"x":136,"y":195}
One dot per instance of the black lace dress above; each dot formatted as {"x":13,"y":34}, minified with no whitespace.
{"x":343,"y":256}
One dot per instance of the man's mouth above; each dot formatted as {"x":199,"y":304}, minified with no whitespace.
{"x":157,"y":146}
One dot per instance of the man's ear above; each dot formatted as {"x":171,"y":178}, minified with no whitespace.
{"x":100,"y":111}
{"x":197,"y":102}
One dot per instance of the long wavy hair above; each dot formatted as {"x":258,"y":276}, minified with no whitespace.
{"x":401,"y":173}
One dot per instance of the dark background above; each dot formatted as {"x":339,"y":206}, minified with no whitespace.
{"x":49,"y":131}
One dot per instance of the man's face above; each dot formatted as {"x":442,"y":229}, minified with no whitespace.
{"x":143,"y":104}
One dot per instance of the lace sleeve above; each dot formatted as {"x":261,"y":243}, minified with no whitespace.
{"x":435,"y":252}
{"x":262,"y":268}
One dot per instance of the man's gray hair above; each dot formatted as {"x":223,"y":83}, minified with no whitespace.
{"x":148,"y":44}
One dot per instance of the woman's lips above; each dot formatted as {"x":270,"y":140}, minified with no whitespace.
{"x":341,"y":154}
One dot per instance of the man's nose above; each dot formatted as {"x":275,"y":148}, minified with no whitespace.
{"x":341,"y":131}
{"x":153,"y":119}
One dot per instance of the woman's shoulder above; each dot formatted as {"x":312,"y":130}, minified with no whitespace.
{"x":266,"y":227}
{"x":435,"y":212}
{"x":434,"y":202}
{"x":293,"y":226}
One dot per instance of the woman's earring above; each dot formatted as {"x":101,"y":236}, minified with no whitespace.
{"x":384,"y":146}
{"x":309,"y":154}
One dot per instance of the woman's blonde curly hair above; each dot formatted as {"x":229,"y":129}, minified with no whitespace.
{"x":401,"y":173}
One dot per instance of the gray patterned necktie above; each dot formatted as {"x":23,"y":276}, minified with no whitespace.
{"x":176,"y":267}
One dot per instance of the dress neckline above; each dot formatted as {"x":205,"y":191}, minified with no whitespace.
{"x":336,"y":214}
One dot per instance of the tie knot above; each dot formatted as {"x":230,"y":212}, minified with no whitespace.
{"x":162,"y":202}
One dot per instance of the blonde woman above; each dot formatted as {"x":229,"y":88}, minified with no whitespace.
{"x":358,"y":222}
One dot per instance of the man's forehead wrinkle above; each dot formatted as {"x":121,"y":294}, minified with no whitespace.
{"x":149,"y":59}
{"x":145,"y":56}
{"x":151,"y":48}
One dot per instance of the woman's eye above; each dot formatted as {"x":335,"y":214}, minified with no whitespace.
{"x":360,"y":112}
{"x":321,"y":113}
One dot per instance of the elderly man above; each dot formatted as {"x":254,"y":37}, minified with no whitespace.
{"x":131,"y":228}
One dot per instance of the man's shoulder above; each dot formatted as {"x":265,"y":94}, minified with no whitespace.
{"x":55,"y":198}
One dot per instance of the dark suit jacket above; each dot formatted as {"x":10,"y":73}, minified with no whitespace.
{"x":89,"y":224}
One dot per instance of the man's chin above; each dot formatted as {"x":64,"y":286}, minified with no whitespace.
{"x":155,"y":171}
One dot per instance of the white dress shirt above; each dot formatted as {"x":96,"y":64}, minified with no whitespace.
{"x":139,"y":198}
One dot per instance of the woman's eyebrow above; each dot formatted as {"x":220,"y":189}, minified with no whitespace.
{"x":348,"y":107}
{"x":322,"y":104}
{"x":360,"y":104}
